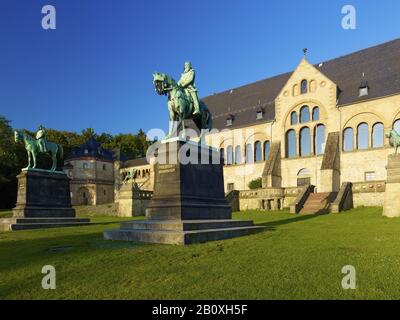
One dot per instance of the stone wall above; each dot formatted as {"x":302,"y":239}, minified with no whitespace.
{"x":368,"y":194}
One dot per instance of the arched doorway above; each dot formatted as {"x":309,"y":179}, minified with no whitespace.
{"x":303,"y":177}
{"x":84,"y":196}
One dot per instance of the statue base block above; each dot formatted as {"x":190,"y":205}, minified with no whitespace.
{"x":391,"y":207}
{"x":43,"y":201}
{"x":188,"y":204}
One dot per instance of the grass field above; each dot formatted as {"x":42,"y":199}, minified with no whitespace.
{"x":297,"y":257}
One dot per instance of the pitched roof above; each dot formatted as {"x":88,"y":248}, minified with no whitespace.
{"x":91,"y":148}
{"x":135,"y":163}
{"x":380,"y":64}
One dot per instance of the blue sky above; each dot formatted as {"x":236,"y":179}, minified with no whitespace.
{"x":95,"y":70}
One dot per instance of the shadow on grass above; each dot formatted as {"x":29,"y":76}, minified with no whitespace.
{"x":271,"y":226}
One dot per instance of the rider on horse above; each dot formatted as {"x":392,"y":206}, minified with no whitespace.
{"x":41,"y":138}
{"x":187,"y":83}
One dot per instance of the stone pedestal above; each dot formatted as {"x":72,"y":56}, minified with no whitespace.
{"x":43,"y":201}
{"x":391,"y":206}
{"x":132,"y":202}
{"x":188,"y":204}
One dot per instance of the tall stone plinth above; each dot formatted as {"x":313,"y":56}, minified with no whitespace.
{"x":188,"y":204}
{"x":43,"y":201}
{"x":391,"y":206}
{"x":131,"y":201}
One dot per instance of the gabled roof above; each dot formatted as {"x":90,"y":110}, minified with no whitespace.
{"x":380,"y":65}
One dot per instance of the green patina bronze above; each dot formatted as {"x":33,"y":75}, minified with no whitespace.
{"x":394,"y":139}
{"x":183,"y":102}
{"x":40,"y":144}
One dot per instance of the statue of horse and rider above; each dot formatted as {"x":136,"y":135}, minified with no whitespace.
{"x":394,"y":139}
{"x":40,"y":144}
{"x":183,"y":102}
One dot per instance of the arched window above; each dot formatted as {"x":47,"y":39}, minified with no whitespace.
{"x":396,"y":126}
{"x":348,"y":139}
{"x":362,"y":136}
{"x":222,"y":155}
{"x":291,"y":144}
{"x":257,"y":151}
{"x":305,"y":142}
{"x":304,"y":114}
{"x":249,"y":153}
{"x":315,"y":114}
{"x":377,"y":135}
{"x":293,"y":118}
{"x":267,"y":149}
{"x":238,"y":155}
{"x":319,"y":139}
{"x":229,"y":155}
{"x":304,"y":86}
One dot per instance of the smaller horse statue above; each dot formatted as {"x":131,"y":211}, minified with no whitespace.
{"x":33,"y":148}
{"x":180,"y":106}
{"x":394,"y":139}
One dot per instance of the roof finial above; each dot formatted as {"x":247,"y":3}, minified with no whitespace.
{"x":305,"y":52}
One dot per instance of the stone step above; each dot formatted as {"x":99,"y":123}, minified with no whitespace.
{"x":31,"y":226}
{"x":179,"y":237}
{"x":184,"y":225}
{"x":44,"y":220}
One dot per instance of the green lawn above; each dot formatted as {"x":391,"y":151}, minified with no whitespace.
{"x":297,"y":257}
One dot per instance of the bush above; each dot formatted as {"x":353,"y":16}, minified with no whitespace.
{"x":255,"y":184}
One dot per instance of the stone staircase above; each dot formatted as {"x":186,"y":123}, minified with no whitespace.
{"x":318,"y":203}
{"x":14,"y":224}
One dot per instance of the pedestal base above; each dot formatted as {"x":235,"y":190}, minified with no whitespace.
{"x":44,"y":201}
{"x":391,"y":206}
{"x":181,"y":232}
{"x":188,"y":204}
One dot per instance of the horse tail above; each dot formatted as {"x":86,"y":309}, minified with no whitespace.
{"x":209,"y":120}
{"x":61,"y":151}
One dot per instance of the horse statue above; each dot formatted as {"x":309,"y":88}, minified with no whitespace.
{"x":394,"y":139}
{"x":180,"y":106}
{"x":32,"y":148}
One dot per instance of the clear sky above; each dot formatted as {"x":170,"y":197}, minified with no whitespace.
{"x":95,"y":70}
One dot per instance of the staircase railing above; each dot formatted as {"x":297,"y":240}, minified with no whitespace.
{"x":344,"y":199}
{"x":301,"y":199}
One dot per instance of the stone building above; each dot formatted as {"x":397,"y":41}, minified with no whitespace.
{"x":321,"y":125}
{"x":94,"y":172}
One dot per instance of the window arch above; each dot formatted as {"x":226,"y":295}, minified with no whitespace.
{"x":305,"y":142}
{"x":291,"y":144}
{"x":396,"y":125}
{"x":249,"y":153}
{"x":362,"y":136}
{"x":319,"y":139}
{"x":304,"y":114}
{"x":303,"y":172}
{"x":229,"y":155}
{"x":267,"y":149}
{"x":238,"y":155}
{"x":304,"y":86}
{"x":257,"y":151}
{"x":315,"y":114}
{"x":294,"y":118}
{"x":222,"y":155}
{"x":348,"y":139}
{"x":377,"y":135}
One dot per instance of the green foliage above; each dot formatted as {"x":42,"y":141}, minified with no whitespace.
{"x":255,"y":184}
{"x":13,"y":155}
